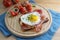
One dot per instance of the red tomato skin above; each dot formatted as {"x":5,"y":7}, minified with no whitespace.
{"x":7,"y":3}
{"x":13,"y":13}
{"x":29,"y":8}
{"x":22,"y":9}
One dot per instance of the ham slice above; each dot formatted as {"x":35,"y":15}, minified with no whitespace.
{"x":39,"y":26}
{"x":36,"y":28}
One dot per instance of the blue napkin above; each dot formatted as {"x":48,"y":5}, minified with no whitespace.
{"x":49,"y":34}
{"x":46,"y":36}
{"x":3,"y":28}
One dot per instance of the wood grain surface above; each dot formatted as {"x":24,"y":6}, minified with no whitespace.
{"x":50,"y":4}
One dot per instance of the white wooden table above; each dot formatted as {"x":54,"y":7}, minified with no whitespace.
{"x":52,"y":4}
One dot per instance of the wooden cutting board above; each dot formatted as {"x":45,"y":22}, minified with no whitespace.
{"x":52,"y":4}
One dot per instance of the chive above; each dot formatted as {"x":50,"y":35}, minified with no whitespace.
{"x":33,"y":5}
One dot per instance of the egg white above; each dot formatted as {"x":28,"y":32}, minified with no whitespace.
{"x":24,"y":19}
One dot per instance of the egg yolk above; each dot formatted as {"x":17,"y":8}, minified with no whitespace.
{"x":32,"y":18}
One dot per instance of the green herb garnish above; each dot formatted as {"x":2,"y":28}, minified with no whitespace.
{"x":33,"y":5}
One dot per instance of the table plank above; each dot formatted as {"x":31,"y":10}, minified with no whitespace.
{"x":51,"y":4}
{"x":55,"y":5}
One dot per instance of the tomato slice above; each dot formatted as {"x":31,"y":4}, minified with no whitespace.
{"x":13,"y":13}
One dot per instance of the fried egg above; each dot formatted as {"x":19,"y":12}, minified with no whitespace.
{"x":31,"y":19}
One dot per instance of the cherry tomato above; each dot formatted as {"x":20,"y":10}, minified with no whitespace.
{"x":23,"y":10}
{"x":28,"y":6}
{"x":20,"y":6}
{"x":7,"y":3}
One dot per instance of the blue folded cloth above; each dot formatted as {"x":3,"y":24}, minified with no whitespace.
{"x":3,"y":28}
{"x":49,"y":34}
{"x":46,"y":36}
